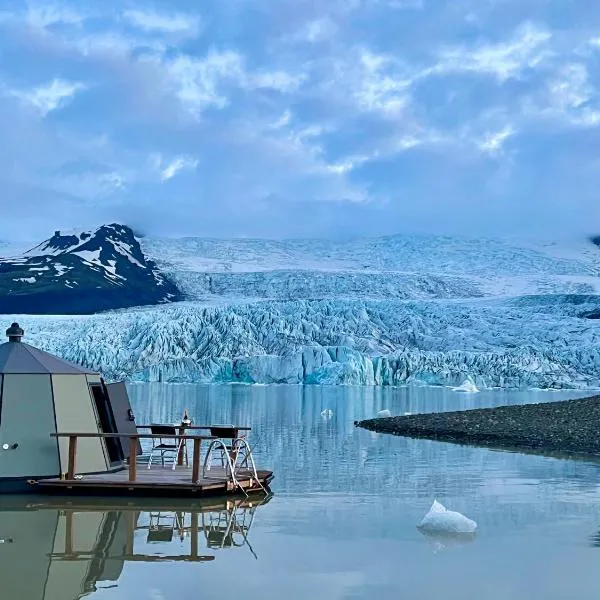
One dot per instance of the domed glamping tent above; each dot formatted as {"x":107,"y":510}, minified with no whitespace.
{"x":41,"y":394}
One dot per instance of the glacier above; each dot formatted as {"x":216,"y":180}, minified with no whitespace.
{"x":395,"y":310}
{"x":495,"y":343}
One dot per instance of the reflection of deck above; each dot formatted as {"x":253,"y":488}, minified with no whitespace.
{"x":158,"y":481}
{"x":65,"y":548}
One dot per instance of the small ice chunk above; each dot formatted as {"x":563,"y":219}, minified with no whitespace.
{"x":441,"y":520}
{"x":384,"y":413}
{"x":327,"y":413}
{"x":468,"y":386}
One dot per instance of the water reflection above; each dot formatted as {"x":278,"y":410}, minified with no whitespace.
{"x":443,"y":541}
{"x":342,"y":523}
{"x":595,"y":539}
{"x":56,"y":549}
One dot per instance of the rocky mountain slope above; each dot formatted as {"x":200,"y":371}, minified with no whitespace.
{"x":83,"y":273}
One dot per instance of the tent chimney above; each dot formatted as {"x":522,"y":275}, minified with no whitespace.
{"x":15,"y":333}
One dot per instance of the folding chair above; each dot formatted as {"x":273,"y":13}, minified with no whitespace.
{"x":228,"y":435}
{"x":168,"y":443}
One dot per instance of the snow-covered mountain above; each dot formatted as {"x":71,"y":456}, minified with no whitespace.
{"x":81,"y":273}
{"x":386,"y":267}
{"x":383,"y":311}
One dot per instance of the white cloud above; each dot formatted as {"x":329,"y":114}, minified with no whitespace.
{"x":197,"y":80}
{"x":283,"y":120}
{"x":317,"y":30}
{"x":201,"y":83}
{"x":168,"y":169}
{"x":275,"y":80}
{"x":568,"y":97}
{"x":46,"y":15}
{"x":378,"y":88}
{"x":275,"y":162}
{"x":493,"y":142}
{"x":404,"y":4}
{"x":168,"y":23}
{"x":112,"y":180}
{"x":51,"y":96}
{"x":89,"y":185}
{"x":571,"y":88}
{"x":350,"y":163}
{"x":527,"y":49}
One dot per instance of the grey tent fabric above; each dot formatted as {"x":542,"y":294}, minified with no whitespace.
{"x":20,"y":358}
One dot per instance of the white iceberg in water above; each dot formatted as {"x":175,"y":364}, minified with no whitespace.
{"x":327,"y":413}
{"x":468,"y":386}
{"x":384,"y":413}
{"x":440,"y":520}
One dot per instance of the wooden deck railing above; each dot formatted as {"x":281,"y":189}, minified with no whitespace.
{"x":182,"y":427}
{"x":133,"y":446}
{"x":238,"y":427}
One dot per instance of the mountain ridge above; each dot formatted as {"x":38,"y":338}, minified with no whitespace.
{"x":93,"y":271}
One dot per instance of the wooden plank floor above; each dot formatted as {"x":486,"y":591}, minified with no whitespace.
{"x":156,"y":481}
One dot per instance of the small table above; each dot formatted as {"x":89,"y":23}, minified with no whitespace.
{"x":182,"y":429}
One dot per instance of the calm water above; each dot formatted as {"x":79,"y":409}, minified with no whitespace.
{"x":341,"y":523}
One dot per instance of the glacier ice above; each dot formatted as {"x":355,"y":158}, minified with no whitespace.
{"x":496,"y":343}
{"x":380,"y":312}
{"x":441,"y":520}
{"x":384,"y":413}
{"x":467,"y":386}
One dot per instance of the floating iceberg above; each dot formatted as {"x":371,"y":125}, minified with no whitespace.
{"x":440,"y":520}
{"x":384,"y":413}
{"x":468,"y":386}
{"x":327,"y":413}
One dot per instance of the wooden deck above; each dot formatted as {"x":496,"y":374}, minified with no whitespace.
{"x":157,"y":481}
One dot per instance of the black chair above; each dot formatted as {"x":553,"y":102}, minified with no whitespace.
{"x":168,"y":443}
{"x":227,"y":434}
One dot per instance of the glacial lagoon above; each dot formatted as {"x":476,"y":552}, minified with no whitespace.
{"x":342,"y":521}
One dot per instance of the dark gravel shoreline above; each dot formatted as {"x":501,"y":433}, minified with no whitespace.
{"x":565,"y":427}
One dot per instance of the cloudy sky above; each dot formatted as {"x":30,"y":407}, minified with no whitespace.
{"x":300,"y":117}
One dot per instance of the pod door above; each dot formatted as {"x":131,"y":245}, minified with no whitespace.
{"x":123,"y":415}
{"x":107,"y":422}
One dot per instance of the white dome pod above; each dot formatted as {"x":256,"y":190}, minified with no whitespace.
{"x":441,"y":520}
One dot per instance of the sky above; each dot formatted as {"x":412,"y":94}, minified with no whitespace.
{"x":293,"y":118}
